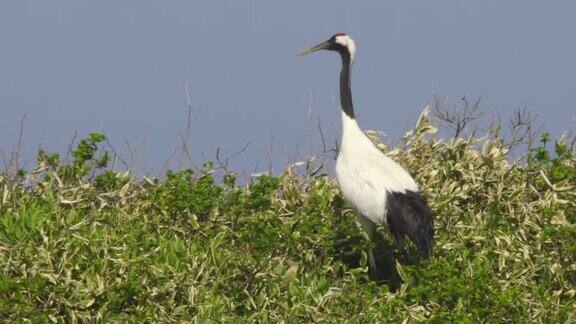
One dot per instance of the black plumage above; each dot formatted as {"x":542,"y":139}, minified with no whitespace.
{"x":408,"y":214}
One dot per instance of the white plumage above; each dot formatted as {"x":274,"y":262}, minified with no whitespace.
{"x":365,"y":174}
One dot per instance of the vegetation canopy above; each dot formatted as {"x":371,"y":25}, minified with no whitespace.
{"x":82,"y":242}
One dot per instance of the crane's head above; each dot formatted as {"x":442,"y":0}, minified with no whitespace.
{"x":340,"y":43}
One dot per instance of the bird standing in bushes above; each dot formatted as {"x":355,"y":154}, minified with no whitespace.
{"x":380,"y":190}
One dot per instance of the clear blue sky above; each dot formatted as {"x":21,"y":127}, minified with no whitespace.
{"x":120,"y":67}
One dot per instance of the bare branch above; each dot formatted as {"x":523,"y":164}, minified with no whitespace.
{"x":460,"y":116}
{"x":71,"y":147}
{"x":3,"y":158}
{"x":184,"y":135}
{"x":116,"y":155}
{"x":13,"y":165}
{"x":521,"y":129}
{"x":17,"y":153}
{"x":324,"y":147}
{"x":166,"y":163}
{"x":224,"y":162}
{"x":270,"y":150}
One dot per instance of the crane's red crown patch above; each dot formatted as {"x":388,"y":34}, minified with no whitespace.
{"x":340,"y":34}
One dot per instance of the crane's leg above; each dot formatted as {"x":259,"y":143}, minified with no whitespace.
{"x":399,"y":240}
{"x":401,"y":247}
{"x":371,"y":259}
{"x":370,"y":229}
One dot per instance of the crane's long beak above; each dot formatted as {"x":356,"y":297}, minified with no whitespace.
{"x":321,"y":46}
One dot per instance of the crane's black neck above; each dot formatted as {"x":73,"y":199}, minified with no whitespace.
{"x":345,"y":89}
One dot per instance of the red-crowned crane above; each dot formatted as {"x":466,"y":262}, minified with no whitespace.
{"x":380,"y":190}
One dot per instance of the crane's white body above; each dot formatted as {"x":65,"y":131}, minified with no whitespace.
{"x":365,"y":175}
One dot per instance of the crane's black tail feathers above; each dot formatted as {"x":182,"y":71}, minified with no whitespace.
{"x":408,"y":214}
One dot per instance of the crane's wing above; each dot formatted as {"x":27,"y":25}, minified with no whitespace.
{"x":385,"y":173}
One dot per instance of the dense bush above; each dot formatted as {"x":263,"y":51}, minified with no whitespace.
{"x":79,"y":242}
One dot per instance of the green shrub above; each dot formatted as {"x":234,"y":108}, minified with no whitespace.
{"x":84,"y":243}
